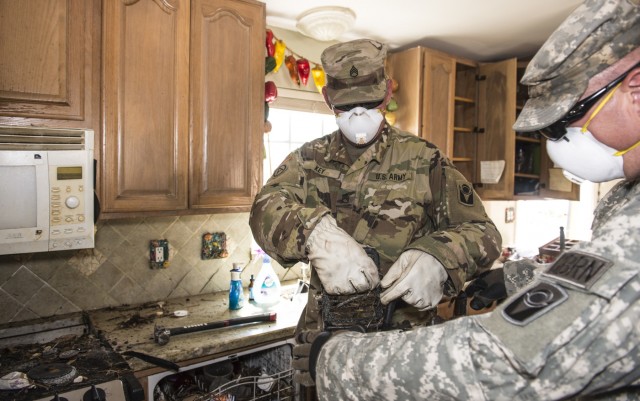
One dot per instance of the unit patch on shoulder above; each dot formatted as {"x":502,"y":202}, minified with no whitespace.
{"x":578,"y":268}
{"x":535,"y":302}
{"x":465,"y":193}
{"x":281,"y":169}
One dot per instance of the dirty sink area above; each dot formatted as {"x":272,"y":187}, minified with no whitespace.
{"x":130,"y":329}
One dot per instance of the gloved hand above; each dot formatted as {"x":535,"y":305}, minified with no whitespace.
{"x":306,"y":352}
{"x":305,"y":355}
{"x":487,"y":288}
{"x":341,"y":263}
{"x":416,"y":277}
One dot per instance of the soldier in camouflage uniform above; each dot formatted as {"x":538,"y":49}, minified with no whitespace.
{"x":574,"y":331}
{"x":395,"y":192}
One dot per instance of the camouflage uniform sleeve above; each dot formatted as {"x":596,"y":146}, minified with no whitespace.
{"x":465,"y":240}
{"x":280,"y":221}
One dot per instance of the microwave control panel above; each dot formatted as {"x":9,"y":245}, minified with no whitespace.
{"x":70,"y":205}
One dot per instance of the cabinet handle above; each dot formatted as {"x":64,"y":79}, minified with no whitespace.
{"x":478,"y":130}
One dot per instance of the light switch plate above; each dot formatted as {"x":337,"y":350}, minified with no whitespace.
{"x":509,"y":215}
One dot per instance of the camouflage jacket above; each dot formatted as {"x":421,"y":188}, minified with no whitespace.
{"x":401,"y":193}
{"x":573,"y":333}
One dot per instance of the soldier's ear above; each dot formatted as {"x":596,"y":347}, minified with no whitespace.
{"x":632,"y":82}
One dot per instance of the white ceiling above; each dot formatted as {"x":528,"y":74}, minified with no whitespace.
{"x":482,"y":30}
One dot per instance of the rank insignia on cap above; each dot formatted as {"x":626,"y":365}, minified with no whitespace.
{"x":533,"y":303}
{"x":353,"y":72}
{"x":578,"y":268}
{"x":465,"y":193}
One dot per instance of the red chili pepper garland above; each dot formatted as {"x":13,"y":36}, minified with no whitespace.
{"x":303,"y":70}
{"x":271,"y":47}
{"x":299,"y":71}
{"x":270,"y":91}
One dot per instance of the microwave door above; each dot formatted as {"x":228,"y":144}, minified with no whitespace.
{"x":24,"y":202}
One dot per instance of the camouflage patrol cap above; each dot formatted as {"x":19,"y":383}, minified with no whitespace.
{"x":593,"y":37}
{"x":355,"y":72}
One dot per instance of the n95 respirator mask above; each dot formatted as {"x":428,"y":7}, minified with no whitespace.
{"x":359,"y":125}
{"x":585,"y":158}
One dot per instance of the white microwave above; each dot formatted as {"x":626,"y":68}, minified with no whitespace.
{"x":46,"y":189}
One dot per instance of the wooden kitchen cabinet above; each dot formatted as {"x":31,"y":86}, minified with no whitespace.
{"x":468,"y":109}
{"x":438,"y":101}
{"x":183,"y":105}
{"x":49,"y":63}
{"x":529,"y":172}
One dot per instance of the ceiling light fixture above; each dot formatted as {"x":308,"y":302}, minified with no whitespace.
{"x":326,"y":23}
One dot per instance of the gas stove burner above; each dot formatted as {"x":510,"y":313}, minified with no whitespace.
{"x":53,"y":373}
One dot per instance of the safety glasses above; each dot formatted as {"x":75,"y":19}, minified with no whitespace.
{"x":558,"y":129}
{"x":368,"y":106}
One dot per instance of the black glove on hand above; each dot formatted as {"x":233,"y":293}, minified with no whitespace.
{"x":306,"y":352}
{"x":485,"y":289}
{"x":305,"y":355}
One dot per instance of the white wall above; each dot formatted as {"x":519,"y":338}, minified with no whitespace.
{"x":538,"y":222}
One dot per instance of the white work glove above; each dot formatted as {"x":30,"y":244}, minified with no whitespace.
{"x":417,"y":277}
{"x":341,"y":263}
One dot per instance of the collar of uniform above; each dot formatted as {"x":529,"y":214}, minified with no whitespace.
{"x":338,"y":152}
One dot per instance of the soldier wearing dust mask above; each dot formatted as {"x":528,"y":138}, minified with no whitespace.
{"x":369,"y":184}
{"x":573,"y":332}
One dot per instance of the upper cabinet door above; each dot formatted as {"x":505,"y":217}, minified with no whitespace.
{"x":49,"y":70}
{"x":146,"y":105}
{"x":496,"y":116}
{"x":438,"y":100}
{"x":227,"y":100}
{"x":406,"y":68}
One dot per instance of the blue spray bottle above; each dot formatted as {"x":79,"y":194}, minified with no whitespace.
{"x":236,"y":292}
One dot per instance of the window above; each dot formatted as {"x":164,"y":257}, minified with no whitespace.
{"x":291,"y":129}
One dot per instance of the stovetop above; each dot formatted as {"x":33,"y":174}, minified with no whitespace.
{"x":43,"y":351}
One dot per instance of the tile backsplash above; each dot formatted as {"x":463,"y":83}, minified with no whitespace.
{"x":117,"y":270}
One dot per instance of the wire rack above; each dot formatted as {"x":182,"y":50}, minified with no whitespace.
{"x":264,"y":375}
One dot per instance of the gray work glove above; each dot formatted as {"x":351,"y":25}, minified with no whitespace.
{"x":306,"y":352}
{"x":342,"y":264}
{"x":416,"y":277}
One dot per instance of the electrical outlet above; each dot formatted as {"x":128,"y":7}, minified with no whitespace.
{"x":158,"y":253}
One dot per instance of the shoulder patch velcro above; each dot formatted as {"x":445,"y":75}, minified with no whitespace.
{"x":533,"y":303}
{"x":578,"y":268}
{"x":465,"y":193}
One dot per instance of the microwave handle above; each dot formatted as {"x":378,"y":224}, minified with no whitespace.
{"x":96,"y":201}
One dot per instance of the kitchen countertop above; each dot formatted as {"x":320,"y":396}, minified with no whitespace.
{"x":131,"y":328}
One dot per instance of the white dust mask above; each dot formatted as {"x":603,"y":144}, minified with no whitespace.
{"x":359,"y":125}
{"x":583,"y":157}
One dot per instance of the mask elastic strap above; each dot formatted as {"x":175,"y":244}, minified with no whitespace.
{"x":599,"y":107}
{"x":621,"y":152}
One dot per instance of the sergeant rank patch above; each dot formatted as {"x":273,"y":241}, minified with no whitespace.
{"x":535,"y":302}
